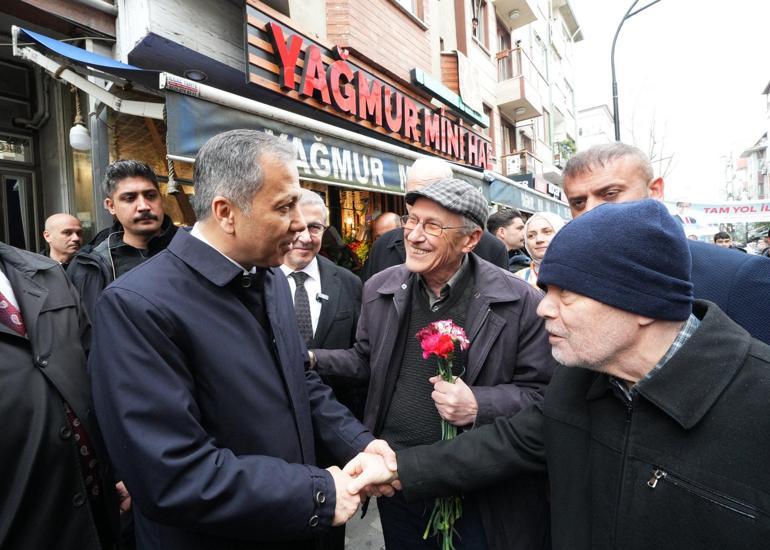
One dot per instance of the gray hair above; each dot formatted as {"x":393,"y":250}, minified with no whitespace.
{"x":306,"y":196}
{"x":230,"y":165}
{"x":600,"y":155}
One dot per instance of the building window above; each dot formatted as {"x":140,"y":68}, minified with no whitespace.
{"x":546,"y":127}
{"x":414,"y":7}
{"x":489,"y":130}
{"x":504,"y":68}
{"x":509,"y":136}
{"x":480,"y":23}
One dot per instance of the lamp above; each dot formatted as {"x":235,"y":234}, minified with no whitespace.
{"x":80,"y":139}
{"x":513,"y":14}
{"x":520,"y":110}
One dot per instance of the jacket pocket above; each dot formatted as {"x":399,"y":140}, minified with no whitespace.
{"x":700,"y":491}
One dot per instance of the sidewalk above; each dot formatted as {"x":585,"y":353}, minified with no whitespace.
{"x":366,"y":533}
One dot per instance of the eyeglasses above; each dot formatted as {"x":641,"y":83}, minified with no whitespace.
{"x":316,"y":229}
{"x":431,"y":228}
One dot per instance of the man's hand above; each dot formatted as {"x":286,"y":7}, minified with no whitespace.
{"x":124,"y":498}
{"x":455,"y":402}
{"x":346,"y":502}
{"x":372,"y":475}
{"x":381,"y":447}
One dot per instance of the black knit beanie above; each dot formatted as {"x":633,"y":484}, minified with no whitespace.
{"x":633,"y":256}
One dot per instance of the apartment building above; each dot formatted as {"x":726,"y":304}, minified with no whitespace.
{"x":361,"y":87}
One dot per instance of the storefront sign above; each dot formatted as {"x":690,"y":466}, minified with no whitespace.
{"x":283,"y":60}
{"x":191,"y":122}
{"x":503,"y":192}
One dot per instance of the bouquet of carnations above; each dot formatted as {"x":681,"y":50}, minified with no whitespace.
{"x":439,"y":339}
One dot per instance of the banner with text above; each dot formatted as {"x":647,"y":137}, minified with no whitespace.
{"x":728,"y":211}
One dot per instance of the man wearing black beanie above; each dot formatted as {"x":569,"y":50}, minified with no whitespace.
{"x":657,"y":432}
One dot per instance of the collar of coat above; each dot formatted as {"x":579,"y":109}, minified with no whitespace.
{"x":27,"y":262}
{"x":204,"y":259}
{"x":491,"y":283}
{"x":694,"y":378}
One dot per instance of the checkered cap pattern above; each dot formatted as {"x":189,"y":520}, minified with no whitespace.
{"x":456,"y":196}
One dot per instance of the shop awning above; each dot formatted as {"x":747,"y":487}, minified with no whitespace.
{"x":67,"y":62}
{"x":91,"y":60}
{"x":326,"y":153}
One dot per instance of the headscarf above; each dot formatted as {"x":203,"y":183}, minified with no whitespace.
{"x":554,"y":220}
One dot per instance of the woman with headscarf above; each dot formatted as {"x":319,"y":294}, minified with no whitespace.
{"x":538,"y":232}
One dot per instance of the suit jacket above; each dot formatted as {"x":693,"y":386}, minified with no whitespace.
{"x":210,"y":418}
{"x":43,"y":498}
{"x":738,"y":283}
{"x":388,"y":251}
{"x":508,"y":365}
{"x":339,"y":313}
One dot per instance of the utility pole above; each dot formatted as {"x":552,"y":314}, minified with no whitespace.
{"x":629,"y":14}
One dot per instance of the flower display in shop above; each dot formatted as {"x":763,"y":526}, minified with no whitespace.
{"x":440,"y":340}
{"x":360,"y":249}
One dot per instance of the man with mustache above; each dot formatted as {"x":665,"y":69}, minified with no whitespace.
{"x":141,"y":230}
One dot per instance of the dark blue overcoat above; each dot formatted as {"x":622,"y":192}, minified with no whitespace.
{"x":211,"y":422}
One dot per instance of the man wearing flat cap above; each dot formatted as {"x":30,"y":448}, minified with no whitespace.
{"x":503,"y":371}
{"x":657,"y":432}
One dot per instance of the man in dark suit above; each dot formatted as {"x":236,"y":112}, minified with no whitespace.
{"x":738,"y":283}
{"x":199,"y":376}
{"x":327,"y":301}
{"x":54,"y":491}
{"x":389,"y":250}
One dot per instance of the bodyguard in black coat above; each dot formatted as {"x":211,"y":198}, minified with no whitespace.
{"x":44,"y":499}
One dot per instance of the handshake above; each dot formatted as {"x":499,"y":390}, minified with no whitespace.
{"x":372,"y":473}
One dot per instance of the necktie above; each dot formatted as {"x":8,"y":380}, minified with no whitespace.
{"x":11,"y":317}
{"x":302,"y":307}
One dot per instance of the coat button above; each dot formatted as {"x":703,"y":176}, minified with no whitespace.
{"x":320,"y":497}
{"x":41,"y":361}
{"x":313,"y":521}
{"x":403,"y":286}
{"x":78,"y":500}
{"x":65,"y":432}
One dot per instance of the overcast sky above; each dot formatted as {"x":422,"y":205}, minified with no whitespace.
{"x":695,"y":68}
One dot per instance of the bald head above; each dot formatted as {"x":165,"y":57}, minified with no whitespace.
{"x":64,"y":235}
{"x":384,"y":223}
{"x":427,"y":170}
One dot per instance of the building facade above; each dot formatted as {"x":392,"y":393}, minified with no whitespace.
{"x":362,"y":87}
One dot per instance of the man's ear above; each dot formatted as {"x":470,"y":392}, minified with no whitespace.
{"x":224,"y":212}
{"x":472,"y":240}
{"x":500,"y":233}
{"x":109,"y":205}
{"x":655,"y":189}
{"x":47,"y":236}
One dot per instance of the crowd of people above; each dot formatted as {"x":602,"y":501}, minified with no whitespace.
{"x":228,"y":386}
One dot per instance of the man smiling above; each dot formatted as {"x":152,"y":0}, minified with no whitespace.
{"x":505,"y":368}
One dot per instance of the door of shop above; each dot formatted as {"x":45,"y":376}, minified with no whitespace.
{"x":18,"y":205}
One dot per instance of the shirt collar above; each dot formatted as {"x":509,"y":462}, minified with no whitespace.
{"x":684,"y":334}
{"x":198,"y":234}
{"x":455,"y":281}
{"x":311,"y":269}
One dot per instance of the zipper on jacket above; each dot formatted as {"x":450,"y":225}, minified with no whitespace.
{"x":698,"y":490}
{"x":629,"y":411}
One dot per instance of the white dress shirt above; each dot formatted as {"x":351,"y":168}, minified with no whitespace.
{"x":7,"y":290}
{"x":312,"y":286}
{"x":196,"y":232}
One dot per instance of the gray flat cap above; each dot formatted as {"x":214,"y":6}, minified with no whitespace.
{"x":457,"y":196}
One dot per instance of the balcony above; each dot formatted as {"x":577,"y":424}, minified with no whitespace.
{"x":516,"y":13}
{"x":521,"y":87}
{"x":520,"y":162}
